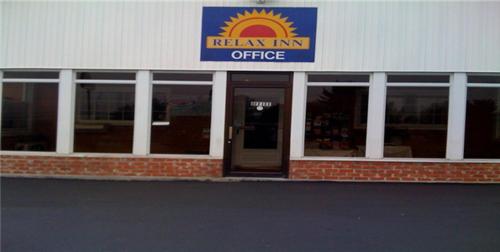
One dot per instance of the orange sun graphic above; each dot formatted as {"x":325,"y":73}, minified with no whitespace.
{"x":258,"y":25}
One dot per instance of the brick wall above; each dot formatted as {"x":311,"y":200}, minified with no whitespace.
{"x":395,"y":171}
{"x":110,"y":166}
{"x":315,"y":170}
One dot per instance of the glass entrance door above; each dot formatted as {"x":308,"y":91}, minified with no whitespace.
{"x":258,"y":129}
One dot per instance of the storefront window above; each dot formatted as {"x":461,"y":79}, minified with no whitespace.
{"x":29,"y":116}
{"x":336,"y":121}
{"x":482,"y":127}
{"x":181,"y":119}
{"x":416,"y":122}
{"x":104,"y":118}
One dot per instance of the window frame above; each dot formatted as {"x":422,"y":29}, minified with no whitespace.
{"x":179,"y":83}
{"x":34,"y":81}
{"x":218,"y":83}
{"x":419,"y":85}
{"x":74,"y":114}
{"x":477,"y":85}
{"x":379,"y":79}
{"x":332,"y":84}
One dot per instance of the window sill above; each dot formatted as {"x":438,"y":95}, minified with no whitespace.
{"x":106,"y":155}
{"x":401,"y":160}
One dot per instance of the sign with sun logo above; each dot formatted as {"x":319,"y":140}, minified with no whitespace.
{"x":258,"y":34}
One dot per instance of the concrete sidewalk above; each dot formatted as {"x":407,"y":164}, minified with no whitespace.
{"x":78,"y":215}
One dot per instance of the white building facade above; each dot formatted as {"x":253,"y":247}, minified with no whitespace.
{"x":393,"y":91}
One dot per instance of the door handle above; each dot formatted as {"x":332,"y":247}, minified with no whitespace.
{"x":230,"y":134}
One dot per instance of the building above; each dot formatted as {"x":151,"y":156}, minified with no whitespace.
{"x":319,"y":90}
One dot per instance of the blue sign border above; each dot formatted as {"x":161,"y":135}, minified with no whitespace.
{"x":304,"y":20}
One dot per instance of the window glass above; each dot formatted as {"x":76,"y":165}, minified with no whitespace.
{"x":336,"y":121}
{"x":338,"y":78}
{"x":29,"y":116}
{"x":181,"y":119}
{"x":418,"y":78}
{"x":482,"y":127}
{"x":104,"y":118}
{"x":483,"y":78}
{"x":30,"y":75}
{"x":267,"y":77}
{"x":183,"y":76}
{"x":105,"y":76}
{"x":416,"y":122}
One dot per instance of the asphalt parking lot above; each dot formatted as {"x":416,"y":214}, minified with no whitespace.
{"x":80,"y":215}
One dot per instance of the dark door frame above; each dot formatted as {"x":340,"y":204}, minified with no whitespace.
{"x":231,"y":85}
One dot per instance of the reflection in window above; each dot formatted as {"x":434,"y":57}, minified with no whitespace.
{"x":104,"y":118}
{"x":482,"y":130}
{"x":416,"y":122}
{"x":336,"y":121}
{"x":181,"y":119}
{"x":29,"y":116}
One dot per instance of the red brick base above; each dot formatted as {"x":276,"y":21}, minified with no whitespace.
{"x":395,"y":171}
{"x":314,"y":170}
{"x":110,"y":166}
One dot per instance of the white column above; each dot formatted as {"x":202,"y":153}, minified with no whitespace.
{"x":297,"y":130}
{"x":142,"y":114}
{"x":456,"y":116}
{"x":1,"y":101}
{"x":376,"y":116}
{"x":217,"y":123}
{"x":65,"y":112}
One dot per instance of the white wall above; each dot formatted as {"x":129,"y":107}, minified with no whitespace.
{"x":351,"y":36}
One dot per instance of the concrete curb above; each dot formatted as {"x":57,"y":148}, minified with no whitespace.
{"x":226,"y":179}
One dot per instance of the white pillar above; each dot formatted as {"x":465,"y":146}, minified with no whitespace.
{"x":456,"y":116}
{"x":376,"y":116}
{"x":217,"y":123}
{"x":65,"y":112}
{"x":1,"y":101}
{"x":297,"y":130}
{"x":142,"y":114}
